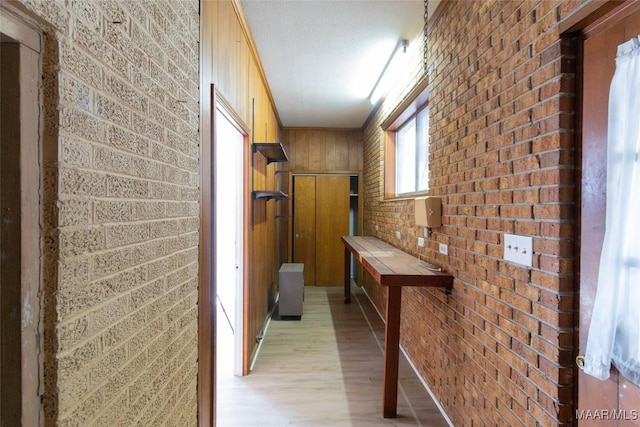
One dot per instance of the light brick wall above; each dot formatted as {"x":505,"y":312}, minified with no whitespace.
{"x":121,"y":153}
{"x":499,"y":350}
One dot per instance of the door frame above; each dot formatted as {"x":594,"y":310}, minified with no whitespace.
{"x":575,"y":26}
{"x":30,"y":369}
{"x":207,"y":311}
{"x":241,"y":343}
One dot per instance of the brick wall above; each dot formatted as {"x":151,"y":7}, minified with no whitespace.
{"x":498,"y":351}
{"x":121,"y":214}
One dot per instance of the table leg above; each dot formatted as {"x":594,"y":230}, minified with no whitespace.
{"x":347,"y":276}
{"x":391,"y":352}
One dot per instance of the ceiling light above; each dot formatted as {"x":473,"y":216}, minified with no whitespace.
{"x":390,"y":71}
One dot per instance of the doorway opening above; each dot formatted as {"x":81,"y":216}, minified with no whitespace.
{"x":229,"y":190}
{"x":21,"y":328}
{"x":598,"y":39}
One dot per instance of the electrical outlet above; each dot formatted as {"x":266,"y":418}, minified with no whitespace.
{"x":518,"y":249}
{"x":398,"y":235}
{"x":443,"y":249}
{"x":421,"y":241}
{"x":377,"y":228}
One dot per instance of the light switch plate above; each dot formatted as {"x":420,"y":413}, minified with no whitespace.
{"x":518,"y":249}
{"x":421,"y":241}
{"x":398,"y":235}
{"x":443,"y":249}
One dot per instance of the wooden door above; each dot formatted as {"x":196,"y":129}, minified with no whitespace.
{"x":304,"y":225}
{"x":601,"y":40}
{"x":320,"y":217}
{"x":332,"y":222}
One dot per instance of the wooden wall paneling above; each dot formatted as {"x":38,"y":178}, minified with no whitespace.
{"x":235,"y":61}
{"x":324,"y":150}
{"x":223,"y":24}
{"x":273,"y":130}
{"x":244,"y":101}
{"x":229,"y":59}
{"x":342,"y":150}
{"x":316,"y":142}
{"x":355,"y":151}
{"x":330,"y":151}
{"x":251,"y":95}
{"x":272,"y":126}
{"x":259,"y":125}
{"x":291,"y":149}
{"x":302,"y":151}
{"x":210,"y":46}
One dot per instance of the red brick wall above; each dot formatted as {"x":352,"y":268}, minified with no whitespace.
{"x":499,"y":350}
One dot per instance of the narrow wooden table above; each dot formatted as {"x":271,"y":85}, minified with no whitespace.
{"x":391,"y":267}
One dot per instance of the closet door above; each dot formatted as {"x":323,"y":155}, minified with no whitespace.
{"x":304,"y":225}
{"x":332,"y":222}
{"x":320,"y":218}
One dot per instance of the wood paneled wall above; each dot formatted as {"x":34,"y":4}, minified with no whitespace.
{"x":317,"y":151}
{"x":323,"y":150}
{"x":229,"y":61}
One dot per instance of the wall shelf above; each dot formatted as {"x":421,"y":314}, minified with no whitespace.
{"x":272,"y":151}
{"x":267,"y":195}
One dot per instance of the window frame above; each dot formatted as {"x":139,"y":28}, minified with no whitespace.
{"x":415,"y":102}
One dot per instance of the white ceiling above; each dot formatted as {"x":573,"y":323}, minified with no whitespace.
{"x":314,"y":53}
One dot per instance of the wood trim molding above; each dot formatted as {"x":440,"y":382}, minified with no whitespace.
{"x":23,"y":181}
{"x":589,"y":13}
{"x":415,"y":99}
{"x":206,"y":256}
{"x":18,"y":30}
{"x":228,"y":111}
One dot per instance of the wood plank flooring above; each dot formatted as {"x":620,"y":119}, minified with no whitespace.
{"x":322,"y":370}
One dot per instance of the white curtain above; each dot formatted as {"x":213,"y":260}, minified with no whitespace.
{"x":614,"y":334}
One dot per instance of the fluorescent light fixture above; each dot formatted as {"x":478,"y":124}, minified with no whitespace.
{"x":368,"y":66}
{"x":390,"y":71}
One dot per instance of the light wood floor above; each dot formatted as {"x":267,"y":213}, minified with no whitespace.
{"x":322,"y":370}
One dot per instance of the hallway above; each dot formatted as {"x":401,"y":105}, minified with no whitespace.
{"x":324,"y":370}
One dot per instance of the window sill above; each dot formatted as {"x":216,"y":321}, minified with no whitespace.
{"x":408,"y":196}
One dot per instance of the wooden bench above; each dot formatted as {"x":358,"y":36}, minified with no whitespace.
{"x":391,"y":267}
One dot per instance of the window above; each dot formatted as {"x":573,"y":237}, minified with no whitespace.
{"x":407,"y":147}
{"x":412,"y":154}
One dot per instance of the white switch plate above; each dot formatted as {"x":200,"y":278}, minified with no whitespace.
{"x":421,"y":241}
{"x":398,"y":235}
{"x":443,"y":249}
{"x":518,"y":249}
